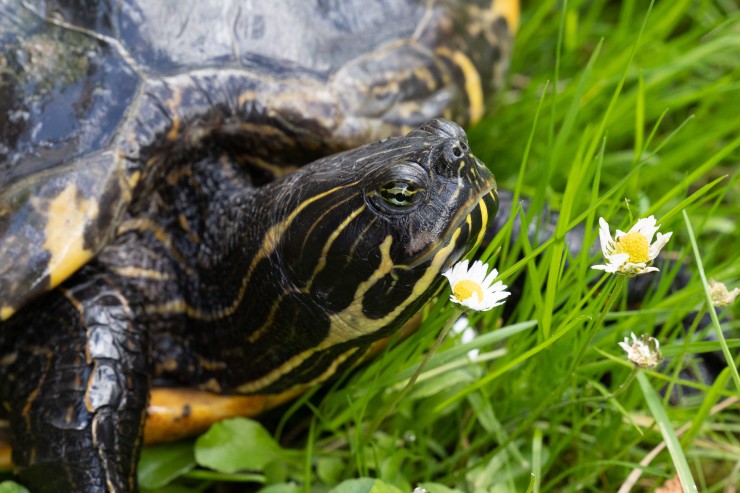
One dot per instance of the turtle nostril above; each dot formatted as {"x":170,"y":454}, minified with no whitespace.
{"x":457,"y":152}
{"x":463,"y":146}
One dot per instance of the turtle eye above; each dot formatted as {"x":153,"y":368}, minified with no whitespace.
{"x":399,"y":193}
{"x":398,"y":189}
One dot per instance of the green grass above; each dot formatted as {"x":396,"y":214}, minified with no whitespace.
{"x":611,"y":111}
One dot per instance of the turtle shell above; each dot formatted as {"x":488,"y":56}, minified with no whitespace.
{"x":96,"y":99}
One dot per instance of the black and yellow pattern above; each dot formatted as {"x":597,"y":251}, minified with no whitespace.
{"x":160,"y":222}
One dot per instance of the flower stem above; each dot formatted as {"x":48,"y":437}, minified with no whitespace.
{"x":557,"y":391}
{"x":625,"y":385}
{"x":438,"y":342}
{"x":456,"y":312}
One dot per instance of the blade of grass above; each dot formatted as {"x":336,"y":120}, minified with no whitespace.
{"x":669,"y":435}
{"x":712,"y":312}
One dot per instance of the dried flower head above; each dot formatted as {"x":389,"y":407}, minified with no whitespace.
{"x":720,"y":295}
{"x":644,"y":352}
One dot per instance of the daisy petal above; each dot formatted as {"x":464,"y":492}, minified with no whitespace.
{"x":605,"y":237}
{"x":631,"y":253}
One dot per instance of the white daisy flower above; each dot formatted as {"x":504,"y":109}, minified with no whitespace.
{"x":644,"y":352}
{"x":473,"y":288}
{"x":631,"y":253}
{"x":720,"y":295}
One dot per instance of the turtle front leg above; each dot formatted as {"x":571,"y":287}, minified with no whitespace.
{"x":79,"y":388}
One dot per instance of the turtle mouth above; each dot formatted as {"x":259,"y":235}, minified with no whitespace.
{"x":467,"y":228}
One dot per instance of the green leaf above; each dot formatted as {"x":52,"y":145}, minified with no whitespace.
{"x":364,"y":485}
{"x":12,"y":487}
{"x":438,"y":488}
{"x":330,"y":469}
{"x":160,"y":465}
{"x":282,"y":488}
{"x":440,"y":383}
{"x":172,"y":488}
{"x":235,"y":445}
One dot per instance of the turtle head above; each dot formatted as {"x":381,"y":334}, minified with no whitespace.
{"x":345,"y":250}
{"x":367,"y":233}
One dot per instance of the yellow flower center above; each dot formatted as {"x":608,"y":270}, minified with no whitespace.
{"x":464,"y":289}
{"x":635,"y":245}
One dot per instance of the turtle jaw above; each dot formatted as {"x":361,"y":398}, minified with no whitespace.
{"x":468,"y":227}
{"x":473,"y":225}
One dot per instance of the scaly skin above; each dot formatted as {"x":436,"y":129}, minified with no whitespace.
{"x":211,"y":291}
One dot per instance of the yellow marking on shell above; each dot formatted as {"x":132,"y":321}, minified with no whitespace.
{"x":322,"y":105}
{"x":351,"y":323}
{"x":266,"y":132}
{"x":473,"y":85}
{"x":65,"y":232}
{"x":6,"y":312}
{"x":173,"y":104}
{"x":425,"y":75}
{"x":245,"y":97}
{"x":509,"y":10}
{"x":140,"y":273}
{"x":133,"y":179}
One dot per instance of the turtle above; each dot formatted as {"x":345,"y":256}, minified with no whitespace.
{"x":239,"y":198}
